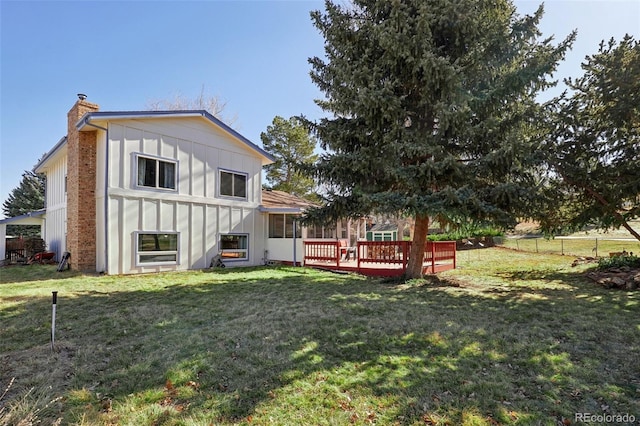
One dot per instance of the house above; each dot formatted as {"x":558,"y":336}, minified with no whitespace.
{"x":147,"y":191}
{"x":383,"y":232}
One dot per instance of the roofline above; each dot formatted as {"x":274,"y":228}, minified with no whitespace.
{"x":120,"y":115}
{"x":264,"y":209}
{"x":35,"y":213}
{"x":62,"y":142}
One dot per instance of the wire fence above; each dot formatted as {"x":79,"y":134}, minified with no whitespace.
{"x":573,"y":246}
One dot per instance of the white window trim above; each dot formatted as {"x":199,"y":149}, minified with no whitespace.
{"x":243,"y":259}
{"x":231,"y":197}
{"x":166,"y":262}
{"x":136,"y":185}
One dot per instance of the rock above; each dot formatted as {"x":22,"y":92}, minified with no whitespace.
{"x":627,"y":279}
{"x":618,"y":282}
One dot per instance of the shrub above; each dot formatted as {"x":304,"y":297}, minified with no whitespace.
{"x":469,"y":233}
{"x":618,"y":261}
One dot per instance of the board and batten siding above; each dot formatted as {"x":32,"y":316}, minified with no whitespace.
{"x":194,"y":209}
{"x":55,"y":228}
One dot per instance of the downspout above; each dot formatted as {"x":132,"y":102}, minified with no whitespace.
{"x":106,"y":188}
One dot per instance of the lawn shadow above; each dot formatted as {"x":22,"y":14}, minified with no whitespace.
{"x":10,"y":274}
{"x":348,"y":349}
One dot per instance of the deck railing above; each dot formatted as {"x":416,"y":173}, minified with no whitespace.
{"x":328,"y":251}
{"x":393,"y":253}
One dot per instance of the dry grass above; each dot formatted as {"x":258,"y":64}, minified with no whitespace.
{"x":507,"y":338}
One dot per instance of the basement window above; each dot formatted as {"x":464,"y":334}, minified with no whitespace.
{"x":156,"y":248}
{"x":234,"y":246}
{"x":156,"y":173}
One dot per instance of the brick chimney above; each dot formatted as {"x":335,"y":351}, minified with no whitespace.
{"x":81,"y":189}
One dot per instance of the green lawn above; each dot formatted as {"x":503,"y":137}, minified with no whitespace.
{"x":573,"y":246}
{"x":507,"y":338}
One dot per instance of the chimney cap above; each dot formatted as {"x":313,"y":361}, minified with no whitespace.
{"x":82,"y":96}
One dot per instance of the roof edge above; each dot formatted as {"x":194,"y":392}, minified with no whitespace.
{"x":61,"y":143}
{"x":264,"y":209}
{"x":34,"y":214}
{"x":88,"y":117}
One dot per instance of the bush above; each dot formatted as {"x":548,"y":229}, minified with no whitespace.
{"x":618,"y":261}
{"x":462,"y":234}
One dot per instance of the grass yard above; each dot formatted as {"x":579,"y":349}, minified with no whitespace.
{"x":508,"y":338}
{"x":573,"y":246}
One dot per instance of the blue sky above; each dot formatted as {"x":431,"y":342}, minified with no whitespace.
{"x":253,"y":54}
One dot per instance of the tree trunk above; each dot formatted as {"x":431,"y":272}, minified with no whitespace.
{"x":414,"y":266}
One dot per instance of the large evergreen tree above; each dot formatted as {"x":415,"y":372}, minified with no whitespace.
{"x":28,"y":196}
{"x":292,"y":146}
{"x":595,"y":146}
{"x":432,"y":103}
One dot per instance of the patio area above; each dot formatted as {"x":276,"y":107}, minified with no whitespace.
{"x":377,"y":258}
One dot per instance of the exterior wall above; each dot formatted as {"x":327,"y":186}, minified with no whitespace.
{"x":55,"y":226}
{"x":3,"y":239}
{"x":281,"y":249}
{"x":100,"y":201}
{"x":194,"y":210}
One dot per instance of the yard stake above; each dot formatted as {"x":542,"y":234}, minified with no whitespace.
{"x":53,"y":319}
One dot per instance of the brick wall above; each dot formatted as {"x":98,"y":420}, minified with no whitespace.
{"x":81,"y":188}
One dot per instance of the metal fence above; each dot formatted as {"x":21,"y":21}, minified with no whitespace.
{"x":573,"y":246}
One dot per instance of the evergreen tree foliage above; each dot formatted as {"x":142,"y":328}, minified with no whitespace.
{"x":292,"y":146}
{"x":433,"y":105}
{"x":595,"y":145}
{"x":28,"y":196}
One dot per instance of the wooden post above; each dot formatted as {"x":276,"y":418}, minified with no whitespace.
{"x":433,"y":257}
{"x":455,"y":254}
{"x":405,"y":254}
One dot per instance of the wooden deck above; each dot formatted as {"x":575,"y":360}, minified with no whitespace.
{"x":378,"y":258}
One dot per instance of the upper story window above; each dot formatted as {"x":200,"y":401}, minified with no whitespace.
{"x":156,"y":173}
{"x":232,"y":184}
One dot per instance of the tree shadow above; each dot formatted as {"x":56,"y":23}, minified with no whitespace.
{"x":358,"y":350}
{"x":22,"y":273}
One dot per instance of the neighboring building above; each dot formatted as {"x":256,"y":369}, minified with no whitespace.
{"x":383,"y":232}
{"x":146,"y":191}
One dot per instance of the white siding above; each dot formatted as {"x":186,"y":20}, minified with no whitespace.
{"x":56,"y":203}
{"x":101,"y":158}
{"x":281,"y":249}
{"x":192,"y":210}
